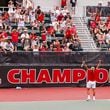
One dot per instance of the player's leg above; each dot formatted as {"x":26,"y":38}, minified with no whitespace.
{"x":93,"y":89}
{"x":93,"y":93}
{"x":88,"y":94}
{"x":88,"y":86}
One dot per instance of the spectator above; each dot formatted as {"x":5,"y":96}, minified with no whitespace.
{"x":97,"y":18}
{"x":60,"y":17}
{"x":0,"y":13}
{"x":6,"y":20}
{"x":73,"y":4}
{"x":8,"y":46}
{"x":3,"y":34}
{"x":68,"y":33}
{"x":100,"y":3}
{"x":41,"y":17}
{"x":19,"y":2}
{"x":75,"y":45}
{"x":68,"y":16}
{"x":34,"y":40}
{"x":28,"y":3}
{"x":2,"y":46}
{"x":108,"y":3}
{"x":32,"y":16}
{"x":108,"y":23}
{"x":1,"y":22}
{"x":25,"y":40}
{"x":11,"y":7}
{"x":36,"y":48}
{"x":101,"y":39}
{"x":63,"y":3}
{"x":15,"y":38}
{"x":65,"y":11}
{"x":38,"y":10}
{"x":93,"y":26}
{"x":57,"y":11}
{"x":43,"y":47}
{"x":17,"y":14}
{"x":45,"y":35}
{"x":66,"y":49}
{"x":50,"y":30}
{"x":21,"y":23}
{"x":108,"y":38}
{"x":55,"y":24}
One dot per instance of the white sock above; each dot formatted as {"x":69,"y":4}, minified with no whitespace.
{"x":88,"y":97}
{"x":93,"y":97}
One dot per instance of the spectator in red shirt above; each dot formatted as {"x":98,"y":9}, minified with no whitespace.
{"x":63,"y":3}
{"x":68,"y":33}
{"x":3,"y":34}
{"x":73,"y":3}
{"x":91,"y":83}
{"x":56,"y":43}
{"x":43,"y":48}
{"x":50,"y":30}
{"x":73,"y":30}
{"x":60,"y":17}
{"x":15,"y":38}
{"x":108,"y":19}
{"x":93,"y":25}
{"x":108,"y":23}
{"x":33,"y":36}
{"x":41,"y":17}
{"x":97,"y":18}
{"x":59,"y":49}
{"x":34,"y":39}
{"x":44,"y":36}
{"x":6,"y":19}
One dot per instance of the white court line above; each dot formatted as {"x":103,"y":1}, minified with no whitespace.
{"x":58,"y":101}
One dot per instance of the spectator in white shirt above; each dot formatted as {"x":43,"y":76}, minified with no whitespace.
{"x":25,"y":40}
{"x":1,"y":22}
{"x":108,"y":38}
{"x":65,"y":11}
{"x":11,"y":7}
{"x":32,"y":16}
{"x":21,"y":23}
{"x":8,"y":46}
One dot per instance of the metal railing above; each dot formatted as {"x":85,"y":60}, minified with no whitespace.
{"x":45,"y":9}
{"x":104,"y":10}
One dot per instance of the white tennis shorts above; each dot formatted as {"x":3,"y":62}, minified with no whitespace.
{"x":91,"y":84}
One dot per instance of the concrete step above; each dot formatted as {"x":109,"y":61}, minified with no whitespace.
{"x":86,"y":40}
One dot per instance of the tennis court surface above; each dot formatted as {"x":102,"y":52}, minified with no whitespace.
{"x":53,"y":99}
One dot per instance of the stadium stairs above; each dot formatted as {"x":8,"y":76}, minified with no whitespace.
{"x":87,"y":41}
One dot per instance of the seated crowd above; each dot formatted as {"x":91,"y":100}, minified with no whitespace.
{"x":31,"y":29}
{"x":100,"y":29}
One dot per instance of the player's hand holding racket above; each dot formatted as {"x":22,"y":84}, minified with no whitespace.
{"x":83,"y":63}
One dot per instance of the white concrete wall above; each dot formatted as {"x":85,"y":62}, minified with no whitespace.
{"x":47,"y":4}
{"x":82,"y":3}
{"x":50,"y":4}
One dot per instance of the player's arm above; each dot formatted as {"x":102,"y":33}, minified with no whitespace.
{"x":84,"y":65}
{"x":99,"y":63}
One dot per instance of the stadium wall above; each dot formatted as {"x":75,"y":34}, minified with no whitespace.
{"x":49,"y":69}
{"x":50,"y":4}
{"x":81,"y":4}
{"x":46,"y":4}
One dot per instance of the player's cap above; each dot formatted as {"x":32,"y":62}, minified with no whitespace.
{"x":68,"y":26}
{"x":100,"y":2}
{"x":92,"y":68}
{"x":50,"y":24}
{"x":25,"y":30}
{"x":14,"y":30}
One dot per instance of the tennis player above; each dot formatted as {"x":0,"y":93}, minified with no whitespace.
{"x":91,"y":83}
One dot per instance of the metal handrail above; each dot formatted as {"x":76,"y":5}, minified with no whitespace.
{"x":5,"y":8}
